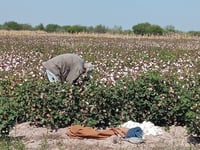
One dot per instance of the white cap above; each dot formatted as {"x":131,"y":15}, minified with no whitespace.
{"x":89,"y":67}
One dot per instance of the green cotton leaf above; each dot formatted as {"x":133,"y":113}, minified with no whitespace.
{"x":11,"y":117}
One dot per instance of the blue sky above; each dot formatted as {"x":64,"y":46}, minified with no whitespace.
{"x":184,"y":15}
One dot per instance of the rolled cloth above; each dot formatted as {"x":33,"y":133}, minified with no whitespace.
{"x":134,"y":132}
{"x":81,"y":132}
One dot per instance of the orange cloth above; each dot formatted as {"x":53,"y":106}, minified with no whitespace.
{"x":78,"y":131}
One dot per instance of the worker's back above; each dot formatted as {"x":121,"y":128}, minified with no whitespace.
{"x":67,"y":67}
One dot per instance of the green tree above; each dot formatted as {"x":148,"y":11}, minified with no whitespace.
{"x":116,"y":29}
{"x":66,"y":28}
{"x":74,"y":29}
{"x":100,"y":29}
{"x":170,"y":28}
{"x":52,"y":28}
{"x":141,"y":28}
{"x":77,"y":28}
{"x":12,"y":25}
{"x":194,"y":33}
{"x":40,"y":27}
{"x":26,"y":27}
{"x":147,"y":28}
{"x":155,"y":30}
{"x":90,"y":29}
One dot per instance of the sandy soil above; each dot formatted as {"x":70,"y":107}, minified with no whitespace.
{"x":43,"y":139}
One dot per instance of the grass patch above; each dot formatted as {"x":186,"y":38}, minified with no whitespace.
{"x":11,"y":144}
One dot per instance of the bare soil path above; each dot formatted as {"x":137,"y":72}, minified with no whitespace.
{"x":43,"y":139}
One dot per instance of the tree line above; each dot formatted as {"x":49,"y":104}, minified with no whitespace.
{"x":139,"y":29}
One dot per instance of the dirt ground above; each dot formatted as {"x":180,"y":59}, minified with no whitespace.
{"x":43,"y":139}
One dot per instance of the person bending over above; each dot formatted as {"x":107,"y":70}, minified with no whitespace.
{"x":66,"y":67}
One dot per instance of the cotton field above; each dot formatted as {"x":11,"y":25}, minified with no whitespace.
{"x":114,"y":56}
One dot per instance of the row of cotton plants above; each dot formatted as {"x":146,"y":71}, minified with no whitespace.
{"x":114,"y":58}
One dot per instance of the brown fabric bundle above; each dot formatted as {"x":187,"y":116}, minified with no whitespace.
{"x":78,"y":131}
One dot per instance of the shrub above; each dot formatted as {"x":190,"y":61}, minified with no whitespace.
{"x":8,"y":108}
{"x":8,"y":115}
{"x":194,"y":33}
{"x":150,"y":97}
{"x":100,"y":105}
{"x":44,"y":103}
{"x":75,"y":29}
{"x":193,"y":114}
